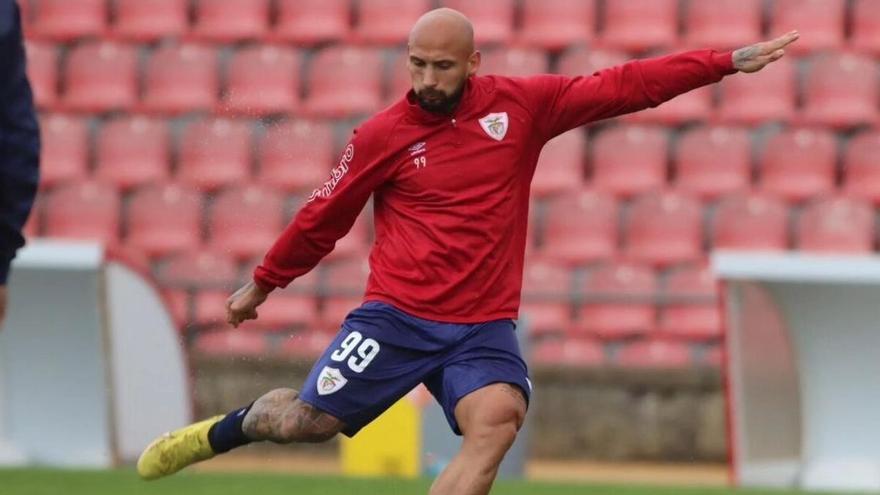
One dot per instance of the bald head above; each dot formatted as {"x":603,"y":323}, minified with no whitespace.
{"x":444,"y":27}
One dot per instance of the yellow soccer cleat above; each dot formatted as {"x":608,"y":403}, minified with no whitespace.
{"x":176,"y":450}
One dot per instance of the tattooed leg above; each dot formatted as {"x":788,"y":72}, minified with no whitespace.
{"x":281,"y":417}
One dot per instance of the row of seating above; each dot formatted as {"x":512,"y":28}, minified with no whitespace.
{"x":552,"y":24}
{"x":838,"y":89}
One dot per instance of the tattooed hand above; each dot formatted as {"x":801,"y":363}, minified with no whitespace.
{"x":753,"y":58}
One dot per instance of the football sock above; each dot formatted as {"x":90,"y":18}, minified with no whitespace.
{"x":227,"y":434}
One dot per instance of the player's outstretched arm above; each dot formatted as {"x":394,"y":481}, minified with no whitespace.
{"x":754,"y":57}
{"x":242,"y":305}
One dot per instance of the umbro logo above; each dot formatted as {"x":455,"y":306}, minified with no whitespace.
{"x":418,"y":148}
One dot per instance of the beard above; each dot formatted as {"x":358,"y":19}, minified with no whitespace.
{"x":435,"y":101}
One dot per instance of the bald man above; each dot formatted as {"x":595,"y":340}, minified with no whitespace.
{"x":449,"y":167}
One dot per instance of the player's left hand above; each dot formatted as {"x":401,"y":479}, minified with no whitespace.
{"x":753,"y":58}
{"x":242,"y":305}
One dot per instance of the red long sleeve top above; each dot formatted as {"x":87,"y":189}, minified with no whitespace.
{"x":451,"y":193}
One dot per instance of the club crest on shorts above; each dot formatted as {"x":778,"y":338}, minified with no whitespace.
{"x":330,"y":380}
{"x":495,"y":125}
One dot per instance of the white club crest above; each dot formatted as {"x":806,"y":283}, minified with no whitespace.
{"x":330,"y":380}
{"x":495,"y":125}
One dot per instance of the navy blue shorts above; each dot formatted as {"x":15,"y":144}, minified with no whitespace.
{"x":382,"y":353}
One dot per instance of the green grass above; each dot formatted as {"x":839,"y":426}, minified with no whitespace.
{"x":125,"y":482}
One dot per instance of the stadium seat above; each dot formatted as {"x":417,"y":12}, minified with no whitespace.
{"x":619,"y":302}
{"x":307,"y":345}
{"x":356,"y":243}
{"x":231,"y":20}
{"x":133,"y":151}
{"x":65,"y":20}
{"x":331,"y":93}
{"x":664,"y":228}
{"x":42,"y":72}
{"x":840,"y":90}
{"x":163,"y":219}
{"x":693,"y":106}
{"x":713,"y":160}
{"x":345,"y":284}
{"x":820,"y":22}
{"x":579,"y":352}
{"x":654,"y":354}
{"x":308,"y":22}
{"x":837,"y":225}
{"x":556,"y":24}
{"x":865,"y":34}
{"x":861,"y":170}
{"x":263,"y":80}
{"x":229,"y":343}
{"x":399,"y":80}
{"x":514,"y":62}
{"x":586,"y":61}
{"x":581,"y":227}
{"x":177,"y":302}
{"x":181,"y":78}
{"x":750,"y":221}
{"x":492,"y":19}
{"x":100,"y":77}
{"x":245,"y":221}
{"x":214,"y":153}
{"x":691,"y":311}
{"x":637,"y":25}
{"x":84,"y":210}
{"x":799,"y":163}
{"x":754,"y":99}
{"x":65,"y":149}
{"x":144,"y":21}
{"x":199,"y":269}
{"x":561,"y":164}
{"x":296,"y":155}
{"x":722,"y":24}
{"x":546,"y":293}
{"x":628,"y":160}
{"x":388,"y":21}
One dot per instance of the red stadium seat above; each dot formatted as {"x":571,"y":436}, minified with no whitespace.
{"x":820,"y":22}
{"x":306,"y":345}
{"x":84,"y":210}
{"x":665,"y":228}
{"x":231,"y":20}
{"x":840,"y":90}
{"x":753,"y":99}
{"x":711,"y":161}
{"x":400,"y":81}
{"x":100,"y":77}
{"x":546,"y":291}
{"x":178,"y":304}
{"x":308,"y":22}
{"x":199,"y":269}
{"x":514,"y":62}
{"x":561,"y":164}
{"x":584,"y":62}
{"x":695,"y":105}
{"x":181,"y":78}
{"x":245,"y":221}
{"x":285,"y":310}
{"x":722,"y":23}
{"x":751,"y":221}
{"x":628,"y":160}
{"x":215,"y":153}
{"x":65,"y":20}
{"x":581,"y":227}
{"x":209,"y":308}
{"x":492,"y":19}
{"x":296,"y":155}
{"x":388,"y":21}
{"x":331,"y":93}
{"x":65,"y":149}
{"x":571,"y":352}
{"x":799,"y":163}
{"x":140,"y":20}
{"x":133,"y":151}
{"x":619,"y":301}
{"x":346,"y":283}
{"x":231,"y":343}
{"x":164,"y":219}
{"x":263,"y":80}
{"x":636,"y":25}
{"x":692,"y":311}
{"x":555,"y":24}
{"x":866,"y":26}
{"x":837,"y":225}
{"x":356,"y":243}
{"x":42,"y":72}
{"x":655,"y":354}
{"x":862,"y":167}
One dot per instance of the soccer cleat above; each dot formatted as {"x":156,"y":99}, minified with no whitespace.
{"x":176,"y":450}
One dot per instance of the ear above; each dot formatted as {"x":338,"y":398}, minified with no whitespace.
{"x":474,"y":63}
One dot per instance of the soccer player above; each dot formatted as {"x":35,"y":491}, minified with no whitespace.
{"x":19,"y":142}
{"x":449,"y":168}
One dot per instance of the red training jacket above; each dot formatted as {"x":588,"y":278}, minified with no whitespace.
{"x":451,"y":193}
